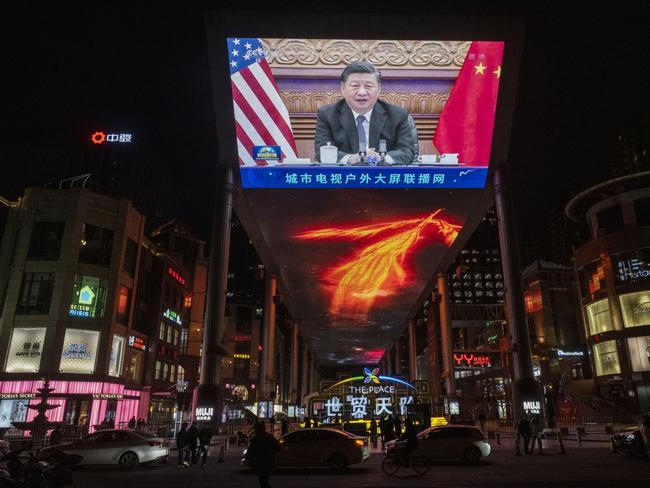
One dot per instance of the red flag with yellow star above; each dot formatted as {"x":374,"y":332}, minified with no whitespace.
{"x":467,"y":119}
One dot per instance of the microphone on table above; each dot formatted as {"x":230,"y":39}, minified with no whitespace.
{"x":362,"y":151}
{"x":382,"y":150}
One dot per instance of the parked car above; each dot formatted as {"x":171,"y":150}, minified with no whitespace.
{"x":319,"y":447}
{"x":126,"y":448}
{"x":447,"y":442}
{"x":629,"y":441}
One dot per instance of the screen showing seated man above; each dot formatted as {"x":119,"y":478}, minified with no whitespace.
{"x":327,"y":113}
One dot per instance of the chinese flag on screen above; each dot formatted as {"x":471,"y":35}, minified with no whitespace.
{"x":467,"y":119}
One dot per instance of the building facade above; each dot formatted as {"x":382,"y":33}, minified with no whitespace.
{"x":613,"y":270}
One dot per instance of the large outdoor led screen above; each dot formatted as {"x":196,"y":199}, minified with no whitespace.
{"x":349,"y":113}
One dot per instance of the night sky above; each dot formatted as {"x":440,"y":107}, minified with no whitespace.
{"x":144,"y":70}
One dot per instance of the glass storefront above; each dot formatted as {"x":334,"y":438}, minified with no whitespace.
{"x":598,"y":317}
{"x":639,"y":349}
{"x":606,"y":358}
{"x":635,"y":308}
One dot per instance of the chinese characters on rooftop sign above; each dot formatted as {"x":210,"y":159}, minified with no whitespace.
{"x":100,"y":137}
{"x":464,"y":360}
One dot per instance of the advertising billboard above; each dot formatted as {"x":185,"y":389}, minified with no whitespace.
{"x":79,"y":354}
{"x":25,"y":350}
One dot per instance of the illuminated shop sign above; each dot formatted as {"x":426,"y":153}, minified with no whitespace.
{"x":79,"y":352}
{"x":241,"y":356}
{"x":204,"y":414}
{"x":88,"y":297}
{"x":176,"y":275}
{"x":533,"y":407}
{"x":472,"y":360}
{"x":632,"y":266}
{"x":372,"y":398}
{"x":108,"y":396}
{"x":137,"y":343}
{"x":25,"y":350}
{"x":173,"y":316}
{"x":100,"y":137}
{"x":563,"y":353}
{"x":242,"y":338}
{"x":13,"y":396}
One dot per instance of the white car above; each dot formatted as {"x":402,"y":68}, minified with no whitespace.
{"x":446,"y":442}
{"x":126,"y":448}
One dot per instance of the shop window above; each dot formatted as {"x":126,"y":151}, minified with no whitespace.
{"x":96,"y":245}
{"x":163,"y":328}
{"x":172,"y":373}
{"x":598,"y":317}
{"x":180,"y":376}
{"x":169,"y":334}
{"x":88,"y":297}
{"x":76,"y":412}
{"x":123,"y":305}
{"x":117,"y":355}
{"x":636,"y":309}
{"x":610,"y":219}
{"x":157,"y":371}
{"x":130,"y":257}
{"x":639,"y":350}
{"x":606,"y":358}
{"x":165,"y":370}
{"x":134,"y":369}
{"x":45,"y":243}
{"x":35,"y":293}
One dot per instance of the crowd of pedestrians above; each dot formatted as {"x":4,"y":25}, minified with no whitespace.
{"x":193,"y":444}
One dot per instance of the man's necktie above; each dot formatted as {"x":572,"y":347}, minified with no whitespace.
{"x":361,"y":131}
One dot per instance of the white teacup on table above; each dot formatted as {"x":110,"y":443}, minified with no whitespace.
{"x":428,"y":159}
{"x":329,"y":154}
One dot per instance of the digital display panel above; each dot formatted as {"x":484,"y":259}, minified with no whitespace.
{"x":352,"y":113}
{"x":355,"y":216}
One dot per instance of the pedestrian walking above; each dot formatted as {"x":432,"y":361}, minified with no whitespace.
{"x":192,"y":441}
{"x":536,"y":429}
{"x":307,"y":422}
{"x":205,"y":436}
{"x":373,"y":433}
{"x":481,"y":419}
{"x":284,"y":426}
{"x":181,"y":445}
{"x":382,"y":430}
{"x":523,"y":431}
{"x":390,"y":429}
{"x":132,"y":423}
{"x":261,"y":454}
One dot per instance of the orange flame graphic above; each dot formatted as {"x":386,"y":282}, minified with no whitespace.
{"x":376,"y":270}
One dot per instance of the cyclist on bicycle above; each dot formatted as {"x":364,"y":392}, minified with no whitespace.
{"x":408,"y":443}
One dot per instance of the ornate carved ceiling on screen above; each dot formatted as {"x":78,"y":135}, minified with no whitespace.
{"x":328,"y":53}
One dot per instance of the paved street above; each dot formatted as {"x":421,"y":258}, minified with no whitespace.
{"x":588,"y":465}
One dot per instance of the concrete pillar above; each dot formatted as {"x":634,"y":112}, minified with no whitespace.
{"x":293,"y":373}
{"x":446,"y":337}
{"x":525,"y":388}
{"x":268,"y":334}
{"x":304,"y":384}
{"x":413,"y":365}
{"x":432,"y":350}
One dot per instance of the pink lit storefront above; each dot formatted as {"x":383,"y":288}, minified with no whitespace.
{"x":84,"y":404}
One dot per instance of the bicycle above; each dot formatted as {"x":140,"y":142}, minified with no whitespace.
{"x":394,"y":460}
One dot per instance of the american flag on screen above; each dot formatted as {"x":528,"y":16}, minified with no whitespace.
{"x":261,"y":118}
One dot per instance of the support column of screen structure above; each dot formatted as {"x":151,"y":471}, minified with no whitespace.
{"x":267,"y":376}
{"x":209,"y":406}
{"x":446,"y":338}
{"x":526,"y":393}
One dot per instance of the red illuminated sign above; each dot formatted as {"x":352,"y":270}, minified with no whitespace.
{"x":174,"y":274}
{"x":99,"y":137}
{"x":137,"y":343}
{"x":242,"y":338}
{"x":472,"y":360}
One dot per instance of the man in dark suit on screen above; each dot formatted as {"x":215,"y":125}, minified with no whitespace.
{"x":361,"y":121}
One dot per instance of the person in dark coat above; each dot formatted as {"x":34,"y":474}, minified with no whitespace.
{"x":373,"y":433}
{"x":390,"y":429}
{"x":398,"y":427}
{"x":132,"y":423}
{"x":523,"y":431}
{"x":382,"y":430}
{"x":56,"y":436}
{"x":192,"y":440}
{"x":284,"y":426}
{"x":205,"y":435}
{"x":261,"y":454}
{"x":307,"y":423}
{"x":181,"y":444}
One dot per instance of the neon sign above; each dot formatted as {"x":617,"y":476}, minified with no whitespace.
{"x":241,"y":356}
{"x":137,"y":343}
{"x":465,"y":360}
{"x":176,"y":275}
{"x":100,"y":137}
{"x":562,"y":353}
{"x":373,"y":376}
{"x":173,"y":316}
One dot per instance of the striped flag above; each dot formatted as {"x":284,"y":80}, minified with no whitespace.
{"x":261,"y":118}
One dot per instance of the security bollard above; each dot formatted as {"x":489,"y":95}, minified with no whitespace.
{"x":559,"y":439}
{"x":498,"y":438}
